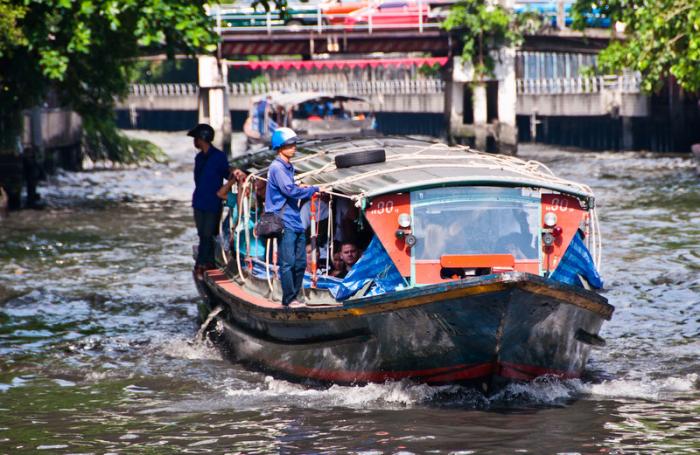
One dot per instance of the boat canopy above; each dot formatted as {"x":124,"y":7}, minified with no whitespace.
{"x":292,"y":99}
{"x":412,"y":163}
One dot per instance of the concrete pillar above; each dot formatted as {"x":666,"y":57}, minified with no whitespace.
{"x":480,"y":115}
{"x":627,"y":134}
{"x":453,"y":105}
{"x":503,"y":130}
{"x":461,"y":73}
{"x":213,"y":100}
{"x":506,"y":130}
{"x":561,"y":16}
{"x":479,"y":99}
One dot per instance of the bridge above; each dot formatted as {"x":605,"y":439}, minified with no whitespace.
{"x":407,"y":106}
{"x":581,"y":96}
{"x":535,"y":87}
{"x":406,"y":31}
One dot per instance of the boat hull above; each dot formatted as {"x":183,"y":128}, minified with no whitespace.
{"x":485,"y":332}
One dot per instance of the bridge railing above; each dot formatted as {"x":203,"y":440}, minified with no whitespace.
{"x":579,"y":85}
{"x":359,"y":88}
{"x":553,"y":86}
{"x":181,"y":89}
{"x":418,"y":17}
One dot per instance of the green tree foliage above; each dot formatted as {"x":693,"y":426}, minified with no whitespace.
{"x":661,"y":39}
{"x":82,"y":53}
{"x":485,"y":28}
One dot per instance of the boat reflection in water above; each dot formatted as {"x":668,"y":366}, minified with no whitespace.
{"x":476,"y":271}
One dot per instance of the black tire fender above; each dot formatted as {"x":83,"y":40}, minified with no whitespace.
{"x":362,"y":157}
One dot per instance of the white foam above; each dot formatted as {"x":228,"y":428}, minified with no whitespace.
{"x":644,"y":387}
{"x":402,"y":393}
{"x":182,"y":348}
{"x":543,"y":390}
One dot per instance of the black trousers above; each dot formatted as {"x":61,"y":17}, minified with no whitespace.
{"x":207,"y":228}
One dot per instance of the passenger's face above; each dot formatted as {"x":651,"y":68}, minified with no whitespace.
{"x":349,"y":254}
{"x":337,"y":261}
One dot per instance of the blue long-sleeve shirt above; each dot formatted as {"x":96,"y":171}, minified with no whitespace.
{"x":280,"y":189}
{"x":210,"y":170}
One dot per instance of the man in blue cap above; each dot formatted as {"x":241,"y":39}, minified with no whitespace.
{"x":210,"y":169}
{"x":282,"y":197}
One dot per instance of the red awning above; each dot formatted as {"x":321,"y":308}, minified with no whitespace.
{"x":333,"y":64}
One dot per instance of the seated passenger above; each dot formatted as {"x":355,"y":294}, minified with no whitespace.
{"x":237,"y":177}
{"x":338,"y":266}
{"x":349,"y":255}
{"x":340,"y":112}
{"x":257,"y":247}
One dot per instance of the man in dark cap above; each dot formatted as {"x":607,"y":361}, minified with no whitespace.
{"x":210,"y":169}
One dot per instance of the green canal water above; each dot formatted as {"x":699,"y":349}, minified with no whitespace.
{"x":97,"y":321}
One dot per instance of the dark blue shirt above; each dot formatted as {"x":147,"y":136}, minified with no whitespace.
{"x":210,"y":170}
{"x":280,"y":189}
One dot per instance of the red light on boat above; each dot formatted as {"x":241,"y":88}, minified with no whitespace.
{"x":556,"y":231}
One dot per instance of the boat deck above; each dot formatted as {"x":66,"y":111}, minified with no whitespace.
{"x":219,"y":279}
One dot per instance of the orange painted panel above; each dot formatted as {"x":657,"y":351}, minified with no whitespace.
{"x":382,"y":214}
{"x":569,"y":216}
{"x":428,"y":271}
{"x":528,"y":265}
{"x":472,"y":261}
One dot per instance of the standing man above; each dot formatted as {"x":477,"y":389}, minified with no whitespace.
{"x":210,"y":169}
{"x":282,"y":197}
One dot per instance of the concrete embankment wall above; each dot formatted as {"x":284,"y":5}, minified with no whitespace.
{"x":51,"y":139}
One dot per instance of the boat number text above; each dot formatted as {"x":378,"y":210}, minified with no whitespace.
{"x":383,"y":207}
{"x":561,"y":205}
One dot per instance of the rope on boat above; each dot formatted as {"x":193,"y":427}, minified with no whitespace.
{"x":221,"y":244}
{"x":596,"y":241}
{"x":530,"y":168}
{"x":329,"y":252}
{"x":202,"y":329}
{"x":238,"y":256}
{"x":267,"y":265}
{"x":325,"y":190}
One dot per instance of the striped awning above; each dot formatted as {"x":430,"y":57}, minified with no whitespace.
{"x":340,"y":64}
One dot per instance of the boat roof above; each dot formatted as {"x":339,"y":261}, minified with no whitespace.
{"x":411,"y":163}
{"x":295,"y":98}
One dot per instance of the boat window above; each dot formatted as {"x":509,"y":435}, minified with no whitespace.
{"x":475,"y":220}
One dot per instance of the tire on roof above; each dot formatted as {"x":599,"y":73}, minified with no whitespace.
{"x":362,"y":157}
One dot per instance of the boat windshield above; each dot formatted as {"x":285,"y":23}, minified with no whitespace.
{"x":476,"y":220}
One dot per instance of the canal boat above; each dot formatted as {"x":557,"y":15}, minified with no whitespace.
{"x":312,"y":115}
{"x":480,"y":270}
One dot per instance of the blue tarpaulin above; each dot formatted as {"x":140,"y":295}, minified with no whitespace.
{"x":577,"y":261}
{"x":374,"y":266}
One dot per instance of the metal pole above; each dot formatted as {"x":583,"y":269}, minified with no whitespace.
{"x":369,"y":19}
{"x":318,"y":20}
{"x":420,"y":16}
